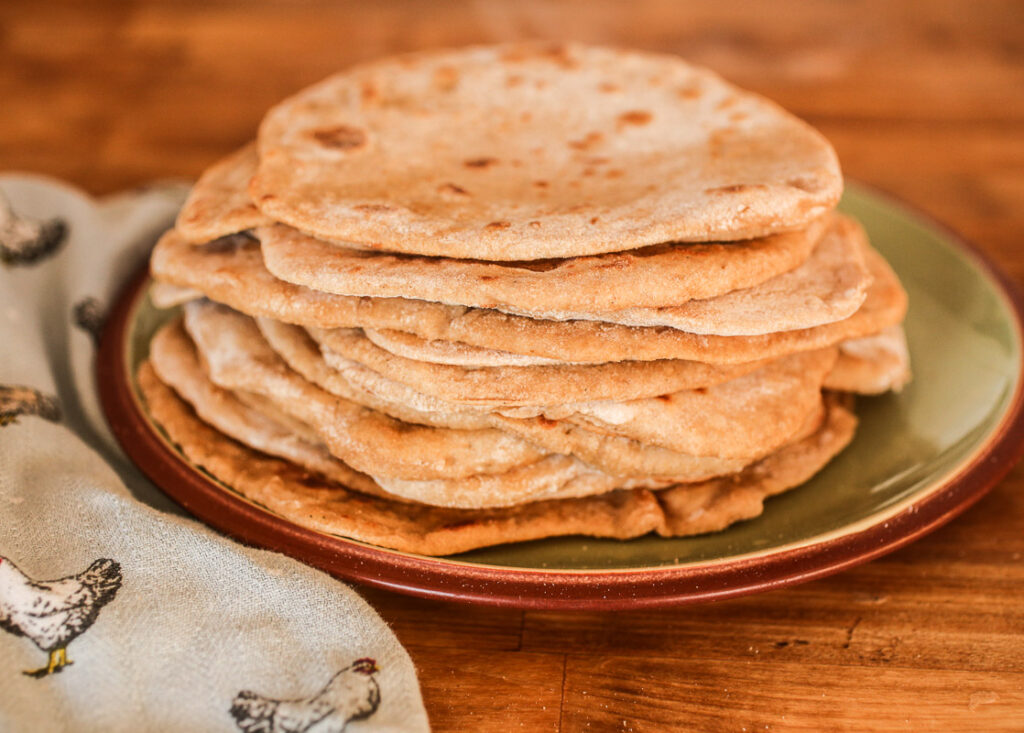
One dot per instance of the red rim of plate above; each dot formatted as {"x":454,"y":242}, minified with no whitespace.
{"x":456,"y":580}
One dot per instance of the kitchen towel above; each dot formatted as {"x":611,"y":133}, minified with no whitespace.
{"x":117,"y":612}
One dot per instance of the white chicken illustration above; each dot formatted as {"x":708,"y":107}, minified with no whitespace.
{"x":52,"y":613}
{"x":351,"y":694}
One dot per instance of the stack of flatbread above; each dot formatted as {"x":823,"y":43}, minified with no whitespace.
{"x":471,"y":297}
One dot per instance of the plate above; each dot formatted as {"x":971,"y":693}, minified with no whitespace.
{"x":919,"y":458}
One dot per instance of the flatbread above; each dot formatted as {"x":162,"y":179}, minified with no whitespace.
{"x":828,"y":287}
{"x":219,"y":203}
{"x":658,"y":275}
{"x":686,"y":436}
{"x":449,"y":352}
{"x":748,"y":416}
{"x":238,"y":358}
{"x":302,"y":354}
{"x":290,"y":492}
{"x":584,"y":150}
{"x":231,"y":271}
{"x":257,"y":422}
{"x":174,"y":360}
{"x":872,"y":365}
{"x":165,"y":295}
{"x":528,"y":385}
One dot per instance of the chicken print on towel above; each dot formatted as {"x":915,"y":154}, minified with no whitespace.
{"x":351,"y":694}
{"x":53,"y":613}
{"x":16,"y":401}
{"x":25,"y":241}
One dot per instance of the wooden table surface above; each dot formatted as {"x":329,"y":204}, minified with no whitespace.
{"x":923,"y":99}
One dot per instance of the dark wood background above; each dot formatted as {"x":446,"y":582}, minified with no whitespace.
{"x":924,"y":99}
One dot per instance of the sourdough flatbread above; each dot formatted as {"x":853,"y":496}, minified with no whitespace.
{"x":290,"y":492}
{"x":219,"y":203}
{"x":829,"y":286}
{"x":742,"y":419}
{"x":174,"y":359}
{"x":528,"y":385}
{"x":448,"y":352}
{"x":231,"y":271}
{"x":658,"y":275}
{"x":872,"y":365}
{"x":238,"y":358}
{"x":258,"y":423}
{"x":165,"y":295}
{"x":621,"y":457}
{"x":301,"y":353}
{"x":748,"y":416}
{"x":584,"y":150}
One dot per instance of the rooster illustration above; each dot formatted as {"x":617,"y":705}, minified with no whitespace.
{"x":351,"y":694}
{"x":53,"y":613}
{"x":23,"y":241}
{"x":16,"y":401}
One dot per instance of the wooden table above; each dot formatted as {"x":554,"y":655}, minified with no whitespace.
{"x":923,"y":99}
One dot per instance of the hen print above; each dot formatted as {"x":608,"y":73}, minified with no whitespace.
{"x":351,"y":694}
{"x":16,"y":401}
{"x":89,"y":315}
{"x":53,"y":613}
{"x":24,"y":241}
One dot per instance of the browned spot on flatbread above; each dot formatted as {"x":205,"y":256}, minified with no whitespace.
{"x":373,"y":208}
{"x":452,"y":189}
{"x":732,"y":188}
{"x":590,"y":140}
{"x":805,"y":183}
{"x":369,"y":93}
{"x":340,"y":137}
{"x":480,"y":162}
{"x":691,"y":91}
{"x":555,"y":53}
{"x":446,"y":78}
{"x":498,"y":225}
{"x":607,"y":87}
{"x":541,"y":184}
{"x":634,"y":117}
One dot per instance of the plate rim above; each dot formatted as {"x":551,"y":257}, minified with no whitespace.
{"x":560,"y":589}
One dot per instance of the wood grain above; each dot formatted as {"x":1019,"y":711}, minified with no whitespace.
{"x":923,"y":99}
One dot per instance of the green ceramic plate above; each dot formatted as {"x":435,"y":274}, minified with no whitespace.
{"x":965,"y":343}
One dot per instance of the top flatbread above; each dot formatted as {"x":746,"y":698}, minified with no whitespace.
{"x":531,"y":151}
